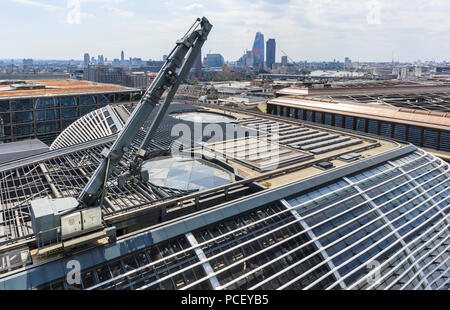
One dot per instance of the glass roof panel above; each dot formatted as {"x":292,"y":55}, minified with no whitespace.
{"x":186,"y":173}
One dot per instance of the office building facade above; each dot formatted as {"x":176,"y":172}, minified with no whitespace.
{"x":270,"y":53}
{"x":214,"y":60}
{"x":86,"y":60}
{"x":44,"y":112}
{"x":418,"y":114}
{"x":258,"y":51}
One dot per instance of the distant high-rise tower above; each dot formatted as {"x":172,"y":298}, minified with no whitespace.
{"x":284,"y":60}
{"x":270,"y":53}
{"x":347,"y":63}
{"x":122,"y":56}
{"x":258,"y":51}
{"x":27,"y":64}
{"x":249,"y":59}
{"x":214,"y":60}
{"x":86,"y":60}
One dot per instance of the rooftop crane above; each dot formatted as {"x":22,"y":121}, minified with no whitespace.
{"x":299,"y":67}
{"x":291,"y":59}
{"x":49,"y":214}
{"x":167,"y":79}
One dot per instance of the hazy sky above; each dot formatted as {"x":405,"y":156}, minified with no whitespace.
{"x":310,"y":30}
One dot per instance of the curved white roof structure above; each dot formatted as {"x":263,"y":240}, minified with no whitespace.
{"x":95,"y":125}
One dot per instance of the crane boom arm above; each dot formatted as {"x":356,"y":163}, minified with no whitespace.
{"x":175,"y":69}
{"x":291,"y":60}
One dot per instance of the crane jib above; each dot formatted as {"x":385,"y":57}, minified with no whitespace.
{"x":181,"y":58}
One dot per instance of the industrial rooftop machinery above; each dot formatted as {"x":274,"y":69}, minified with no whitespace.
{"x":69,"y":222}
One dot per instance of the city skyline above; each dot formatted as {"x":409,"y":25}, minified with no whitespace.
{"x":306,"y":30}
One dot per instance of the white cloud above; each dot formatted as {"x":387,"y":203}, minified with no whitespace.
{"x":47,"y":7}
{"x":103,"y":1}
{"x":113,"y":11}
{"x":305,"y":29}
{"x":87,"y":15}
{"x":194,"y":6}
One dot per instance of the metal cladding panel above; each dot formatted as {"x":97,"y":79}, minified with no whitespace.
{"x":430,"y":138}
{"x":385,"y":129}
{"x":400,"y":132}
{"x":138,"y":243}
{"x":373,"y":127}
{"x":43,"y":219}
{"x":21,"y":281}
{"x":92,"y":218}
{"x":2,"y":229}
{"x":45,"y":216}
{"x":349,"y":120}
{"x":112,"y":251}
{"x":91,"y":258}
{"x":338,"y":119}
{"x":41,"y":208}
{"x":445,"y":141}
{"x":328,"y":119}
{"x":17,"y":150}
{"x":414,"y":135}
{"x":361,"y":124}
{"x":70,"y":224}
{"x":46,"y":273}
{"x":62,"y":205}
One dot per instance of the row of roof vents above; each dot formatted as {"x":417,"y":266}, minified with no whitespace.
{"x":22,"y":85}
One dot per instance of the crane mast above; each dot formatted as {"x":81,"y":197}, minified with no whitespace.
{"x":173,"y":72}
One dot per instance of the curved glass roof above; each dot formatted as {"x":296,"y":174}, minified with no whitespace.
{"x":97,"y":124}
{"x":384,"y":227}
{"x":203,"y":117}
{"x":186,"y":173}
{"x":383,"y":215}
